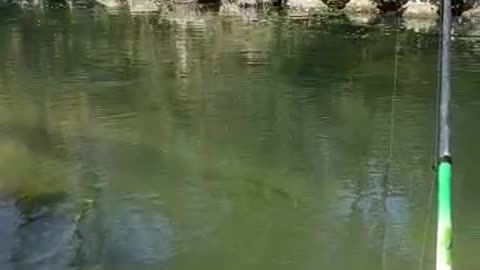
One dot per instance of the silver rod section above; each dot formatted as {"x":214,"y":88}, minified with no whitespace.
{"x":444,"y":80}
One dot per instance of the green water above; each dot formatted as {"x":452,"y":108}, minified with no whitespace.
{"x":218,"y":142}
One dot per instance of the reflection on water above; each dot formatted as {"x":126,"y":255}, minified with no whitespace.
{"x":218,"y":142}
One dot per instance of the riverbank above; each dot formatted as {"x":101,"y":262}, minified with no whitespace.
{"x":416,"y":9}
{"x":414,"y":15}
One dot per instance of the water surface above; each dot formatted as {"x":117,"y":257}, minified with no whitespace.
{"x":227,"y":142}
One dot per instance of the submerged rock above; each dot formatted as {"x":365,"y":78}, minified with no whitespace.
{"x":138,"y":239}
{"x":127,"y":236}
{"x":35,"y":234}
{"x":48,"y":243}
{"x":53,"y":233}
{"x":9,"y":222}
{"x":46,"y":237}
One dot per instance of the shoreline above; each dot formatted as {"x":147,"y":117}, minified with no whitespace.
{"x":411,"y":9}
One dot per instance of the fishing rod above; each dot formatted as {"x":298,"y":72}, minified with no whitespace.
{"x":444,"y":158}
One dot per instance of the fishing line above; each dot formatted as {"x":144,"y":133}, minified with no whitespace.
{"x":444,"y":169}
{"x":426,"y":226}
{"x":390,"y":138}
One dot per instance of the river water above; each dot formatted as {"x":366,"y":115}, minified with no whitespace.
{"x":202,"y":141}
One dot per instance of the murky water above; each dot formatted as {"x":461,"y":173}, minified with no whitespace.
{"x":227,"y":142}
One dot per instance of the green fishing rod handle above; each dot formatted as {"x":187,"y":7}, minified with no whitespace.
{"x":444,"y":221}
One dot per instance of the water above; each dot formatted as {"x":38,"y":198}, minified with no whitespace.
{"x":226,"y":142}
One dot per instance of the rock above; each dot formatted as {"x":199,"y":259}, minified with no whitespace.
{"x":126,"y":235}
{"x":46,"y":238}
{"x":47,"y":243}
{"x":138,"y":239}
{"x":245,"y":3}
{"x":473,"y":13}
{"x":306,"y":4}
{"x":110,"y":3}
{"x":418,"y":9}
{"x":9,"y":221}
{"x":361,"y":6}
{"x":141,"y":6}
